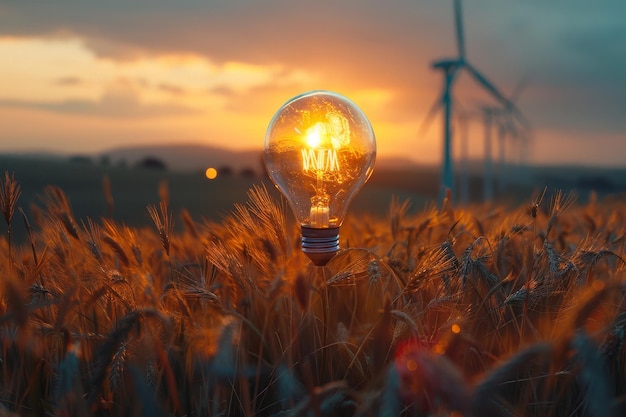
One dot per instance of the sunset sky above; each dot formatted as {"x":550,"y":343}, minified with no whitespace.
{"x":86,"y":76}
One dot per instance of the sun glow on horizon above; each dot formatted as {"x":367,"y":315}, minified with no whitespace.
{"x":66,"y":87}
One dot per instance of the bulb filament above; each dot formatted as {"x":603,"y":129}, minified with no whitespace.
{"x":320,"y":212}
{"x":320,"y":161}
{"x":324,"y":160}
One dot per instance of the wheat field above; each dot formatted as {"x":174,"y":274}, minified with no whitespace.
{"x":452,"y":311}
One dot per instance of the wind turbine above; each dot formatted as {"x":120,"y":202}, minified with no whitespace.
{"x":489,"y":114}
{"x":450,"y":67}
{"x":499,"y":119}
{"x":502,"y":177}
{"x":502,"y":120}
{"x":462,"y":119}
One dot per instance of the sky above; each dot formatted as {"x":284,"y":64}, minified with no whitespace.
{"x":82,"y":76}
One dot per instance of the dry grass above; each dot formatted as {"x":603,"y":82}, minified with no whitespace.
{"x":450,"y":312}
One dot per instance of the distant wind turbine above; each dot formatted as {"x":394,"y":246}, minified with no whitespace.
{"x":489,"y":113}
{"x":501,"y":118}
{"x":462,"y":120}
{"x":502,"y":168}
{"x":520,"y":135}
{"x":450,"y":68}
{"x":521,"y":141}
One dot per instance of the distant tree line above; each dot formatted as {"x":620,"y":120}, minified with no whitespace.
{"x":157,"y":164}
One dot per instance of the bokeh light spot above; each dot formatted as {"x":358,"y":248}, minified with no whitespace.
{"x":211,"y":173}
{"x":456,"y":328}
{"x":411,"y":365}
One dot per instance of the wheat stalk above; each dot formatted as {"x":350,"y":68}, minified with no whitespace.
{"x":10,"y":191}
{"x":163,"y":221}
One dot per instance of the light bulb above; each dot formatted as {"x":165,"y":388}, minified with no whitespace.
{"x":319,"y":151}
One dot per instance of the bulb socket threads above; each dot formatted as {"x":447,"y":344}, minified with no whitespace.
{"x":320,"y":245}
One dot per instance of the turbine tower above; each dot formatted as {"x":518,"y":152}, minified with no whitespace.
{"x":450,"y":67}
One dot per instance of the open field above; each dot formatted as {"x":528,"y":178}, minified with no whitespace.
{"x":489,"y":310}
{"x":132,"y":189}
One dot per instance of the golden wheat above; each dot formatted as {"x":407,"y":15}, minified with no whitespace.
{"x":467,"y":311}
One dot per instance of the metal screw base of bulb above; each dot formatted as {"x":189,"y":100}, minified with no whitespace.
{"x":320,"y":245}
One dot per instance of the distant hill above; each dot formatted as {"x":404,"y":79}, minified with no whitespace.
{"x":392,"y":172}
{"x":398,"y":163}
{"x":199,"y":157}
{"x":188,"y":157}
{"x":191,"y":157}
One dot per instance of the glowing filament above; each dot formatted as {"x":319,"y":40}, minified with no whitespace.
{"x":319,"y":160}
{"x":320,"y":212}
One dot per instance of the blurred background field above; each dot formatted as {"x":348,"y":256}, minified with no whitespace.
{"x":132,"y":187}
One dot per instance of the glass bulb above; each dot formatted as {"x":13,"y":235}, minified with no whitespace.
{"x":319,"y":150}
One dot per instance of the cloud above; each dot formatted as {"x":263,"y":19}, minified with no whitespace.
{"x":172,"y":89}
{"x":574,"y":50}
{"x":338,"y":38}
{"x":119,"y":102}
{"x":68,"y":81}
{"x":393,"y":38}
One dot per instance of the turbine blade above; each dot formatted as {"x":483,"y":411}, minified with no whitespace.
{"x":509,"y":126}
{"x":460,"y":36}
{"x":491,"y":88}
{"x":521,"y":119}
{"x":519,"y":88}
{"x":430,"y":116}
{"x":488,"y":85}
{"x":515,"y":97}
